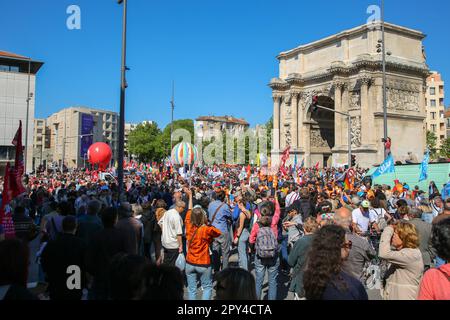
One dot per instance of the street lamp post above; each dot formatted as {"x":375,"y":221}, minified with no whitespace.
{"x":381,"y":48}
{"x":27,"y":118}
{"x":123,"y":87}
{"x":172,"y":103}
{"x":384,"y":77}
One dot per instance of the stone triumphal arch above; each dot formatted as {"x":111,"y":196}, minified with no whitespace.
{"x":345,"y":72}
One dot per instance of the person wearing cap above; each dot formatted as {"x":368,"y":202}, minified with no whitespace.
{"x":360,"y":218}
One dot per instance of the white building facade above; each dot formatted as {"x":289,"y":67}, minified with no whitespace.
{"x":17,"y":85}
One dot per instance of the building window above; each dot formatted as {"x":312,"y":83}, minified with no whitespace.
{"x":5,"y":68}
{"x":441,"y":114}
{"x":433,"y":103}
{"x":441,"y":102}
{"x":433,"y":128}
{"x":432,"y":91}
{"x":433,"y":115}
{"x":441,"y":89}
{"x":39,"y":130}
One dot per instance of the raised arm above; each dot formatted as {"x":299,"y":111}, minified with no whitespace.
{"x":394,"y":256}
{"x":276,"y":216}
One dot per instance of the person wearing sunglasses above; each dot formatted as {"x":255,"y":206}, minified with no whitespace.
{"x":324,"y":278}
{"x":406,"y":269}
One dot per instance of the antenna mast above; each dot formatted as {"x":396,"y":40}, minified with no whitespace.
{"x":173,"y":107}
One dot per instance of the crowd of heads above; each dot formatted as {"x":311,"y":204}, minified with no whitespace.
{"x":72,"y":195}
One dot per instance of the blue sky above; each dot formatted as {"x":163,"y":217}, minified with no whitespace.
{"x":221,"y":54}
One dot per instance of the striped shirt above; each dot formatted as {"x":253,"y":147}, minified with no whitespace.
{"x":291,"y":198}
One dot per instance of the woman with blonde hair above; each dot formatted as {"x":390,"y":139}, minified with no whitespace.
{"x":405,"y":272}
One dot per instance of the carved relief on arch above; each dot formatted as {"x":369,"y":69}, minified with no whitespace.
{"x":354,"y":100}
{"x":306,"y":96}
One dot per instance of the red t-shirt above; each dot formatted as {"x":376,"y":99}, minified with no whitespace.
{"x":435,"y":284}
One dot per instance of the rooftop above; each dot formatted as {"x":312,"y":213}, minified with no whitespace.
{"x":350,"y":32}
{"x":12,"y":55}
{"x":25,"y":63}
{"x":227,"y":119}
{"x":447,"y":113}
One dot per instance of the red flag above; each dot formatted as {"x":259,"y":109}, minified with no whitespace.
{"x":17,"y":142}
{"x":284,"y":158}
{"x":7,"y":192}
{"x":317,"y":165}
{"x":6,"y":219}
{"x":19,"y":168}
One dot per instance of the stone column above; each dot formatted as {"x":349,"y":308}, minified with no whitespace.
{"x":306,"y":132}
{"x":345,"y":105}
{"x":365,"y":110}
{"x":300,"y":115}
{"x":276,"y":123}
{"x":294,"y":129}
{"x":339,"y":119}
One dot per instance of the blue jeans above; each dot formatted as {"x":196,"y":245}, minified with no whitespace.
{"x":271,"y":266}
{"x":284,"y":249}
{"x":242,"y":249}
{"x":205,"y":280}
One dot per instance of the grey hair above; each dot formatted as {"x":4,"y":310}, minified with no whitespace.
{"x":341,"y":219}
{"x":415,"y":213}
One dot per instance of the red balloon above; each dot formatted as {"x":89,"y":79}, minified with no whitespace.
{"x":99,"y":153}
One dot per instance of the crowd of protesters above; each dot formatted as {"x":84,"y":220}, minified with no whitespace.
{"x":169,"y":232}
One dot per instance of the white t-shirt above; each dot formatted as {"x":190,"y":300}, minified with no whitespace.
{"x":362,"y":221}
{"x":171,"y":225}
{"x":376,"y":214}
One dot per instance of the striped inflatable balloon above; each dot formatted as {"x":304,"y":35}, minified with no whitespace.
{"x":184,"y":153}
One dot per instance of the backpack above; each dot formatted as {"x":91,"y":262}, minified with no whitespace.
{"x":266,"y":243}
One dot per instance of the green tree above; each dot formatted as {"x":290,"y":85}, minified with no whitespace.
{"x":187,"y":124}
{"x":269,"y":128}
{"x":445,"y":148}
{"x":431,"y":144}
{"x":146,"y":142}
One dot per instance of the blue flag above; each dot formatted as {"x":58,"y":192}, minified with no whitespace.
{"x":295,"y":164}
{"x":303,"y":163}
{"x":387,"y":166}
{"x":424,"y":167}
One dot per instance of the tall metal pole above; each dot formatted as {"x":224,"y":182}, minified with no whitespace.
{"x":173,"y":107}
{"x":27,"y":118}
{"x":349,"y":120}
{"x":123,"y":87}
{"x":384,"y":77}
